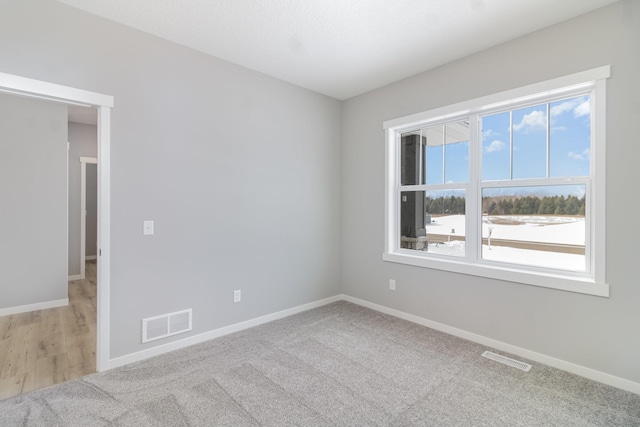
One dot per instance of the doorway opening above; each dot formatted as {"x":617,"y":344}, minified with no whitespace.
{"x":30,"y":88}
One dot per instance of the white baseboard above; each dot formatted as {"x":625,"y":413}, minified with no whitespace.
{"x":90,"y":257}
{"x":33,"y":307}
{"x":206,"y":336}
{"x":75,"y":277}
{"x":589,"y":373}
{"x":489,"y":342}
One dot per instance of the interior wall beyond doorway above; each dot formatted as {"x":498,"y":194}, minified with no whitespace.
{"x":33,"y":194}
{"x":91,"y":205}
{"x":82,"y":143}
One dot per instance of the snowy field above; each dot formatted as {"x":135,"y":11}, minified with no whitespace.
{"x":532,"y":228}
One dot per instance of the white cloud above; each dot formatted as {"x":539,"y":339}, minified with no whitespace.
{"x":496,"y":145}
{"x":579,"y":156}
{"x":534,"y":121}
{"x":559,"y":109}
{"x":489,"y":133}
{"x":583,"y":109}
{"x":579,"y":106}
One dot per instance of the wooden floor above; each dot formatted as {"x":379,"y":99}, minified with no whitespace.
{"x":46,"y":347}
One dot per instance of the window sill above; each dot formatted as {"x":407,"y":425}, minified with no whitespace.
{"x":571,"y":283}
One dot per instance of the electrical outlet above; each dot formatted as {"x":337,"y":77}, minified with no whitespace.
{"x":392,"y":284}
{"x":237,"y":295}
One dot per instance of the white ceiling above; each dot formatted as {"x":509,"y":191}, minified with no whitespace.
{"x":340,"y":48}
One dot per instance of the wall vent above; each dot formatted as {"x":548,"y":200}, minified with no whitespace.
{"x":507,"y":361}
{"x":154,"y":328}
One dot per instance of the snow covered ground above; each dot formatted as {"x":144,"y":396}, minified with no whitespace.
{"x":548,"y":229}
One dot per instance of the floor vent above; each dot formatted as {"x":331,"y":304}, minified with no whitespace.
{"x":507,"y":361}
{"x":154,"y":328}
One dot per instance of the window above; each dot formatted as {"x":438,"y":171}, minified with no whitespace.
{"x":508,"y":186}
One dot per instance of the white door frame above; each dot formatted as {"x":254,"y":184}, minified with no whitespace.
{"x":104,"y":103}
{"x":83,"y":210}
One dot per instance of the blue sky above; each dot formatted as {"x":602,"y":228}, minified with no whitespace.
{"x":568,"y":142}
{"x":568,"y":147}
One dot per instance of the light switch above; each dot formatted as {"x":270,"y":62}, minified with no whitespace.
{"x":147,"y":228}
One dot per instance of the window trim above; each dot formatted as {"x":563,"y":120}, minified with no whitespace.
{"x":590,"y":282}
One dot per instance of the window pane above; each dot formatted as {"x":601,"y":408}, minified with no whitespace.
{"x":445,"y":221}
{"x":457,"y":152}
{"x":496,"y":147}
{"x":410,"y":155}
{"x":413,"y":220}
{"x":570,"y":137}
{"x":530,"y":142}
{"x":435,"y":154}
{"x":542,"y":226}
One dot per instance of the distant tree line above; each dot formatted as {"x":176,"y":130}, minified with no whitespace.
{"x":451,"y":205}
{"x":510,"y":205}
{"x":534,"y":205}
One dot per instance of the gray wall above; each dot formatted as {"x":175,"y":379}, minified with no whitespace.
{"x":251,"y":188}
{"x":33,"y":201}
{"x":83,"y":142}
{"x":599,"y":333}
{"x":91,"y":220}
{"x":239,"y":171}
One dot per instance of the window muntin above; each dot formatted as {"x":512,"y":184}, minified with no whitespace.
{"x":575,"y":99}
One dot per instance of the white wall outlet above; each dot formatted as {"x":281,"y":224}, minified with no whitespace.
{"x":392,"y":284}
{"x":147,"y":228}
{"x":237,"y":295}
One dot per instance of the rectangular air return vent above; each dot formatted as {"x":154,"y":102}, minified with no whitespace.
{"x":507,"y":361}
{"x":154,"y":328}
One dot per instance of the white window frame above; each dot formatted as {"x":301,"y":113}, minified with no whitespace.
{"x":591,"y":281}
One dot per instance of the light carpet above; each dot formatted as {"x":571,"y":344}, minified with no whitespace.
{"x":337,"y":365}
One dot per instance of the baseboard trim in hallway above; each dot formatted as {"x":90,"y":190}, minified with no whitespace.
{"x":34,"y":307}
